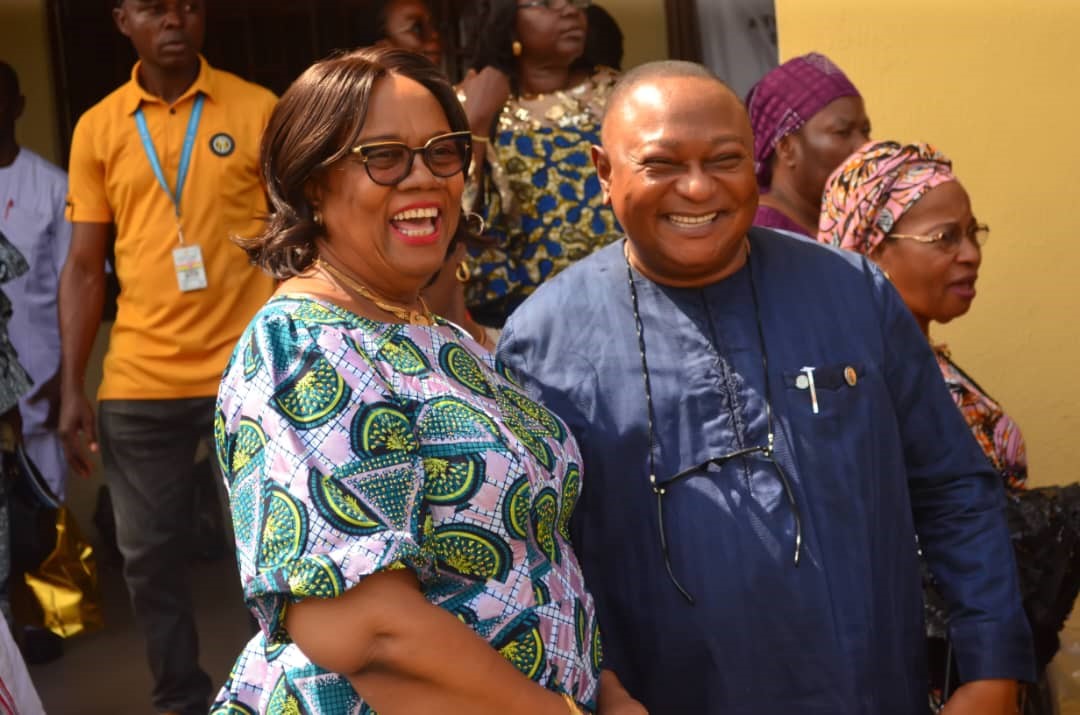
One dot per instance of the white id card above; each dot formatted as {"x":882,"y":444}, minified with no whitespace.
{"x":190,"y":272}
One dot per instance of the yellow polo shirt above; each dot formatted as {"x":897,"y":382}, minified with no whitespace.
{"x":168,"y":344}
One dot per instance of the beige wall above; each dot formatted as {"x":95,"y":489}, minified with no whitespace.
{"x":992,"y":83}
{"x":644,"y":27}
{"x":24,"y":44}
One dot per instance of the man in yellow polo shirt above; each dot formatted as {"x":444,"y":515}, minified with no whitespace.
{"x":170,"y":159}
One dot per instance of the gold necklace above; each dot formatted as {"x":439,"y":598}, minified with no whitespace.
{"x":409,"y":315}
{"x":481,"y":337}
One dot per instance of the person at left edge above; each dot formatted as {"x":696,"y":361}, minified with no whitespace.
{"x":14,"y":383}
{"x":32,"y":193}
{"x":171,"y":160}
{"x":17,"y":692}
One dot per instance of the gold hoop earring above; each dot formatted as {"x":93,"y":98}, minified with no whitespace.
{"x":516,"y":48}
{"x":316,"y":216}
{"x":462,"y":272}
{"x":472,"y":218}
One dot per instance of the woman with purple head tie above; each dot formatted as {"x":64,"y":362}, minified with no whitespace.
{"x":807,"y":117}
{"x":902,"y":206}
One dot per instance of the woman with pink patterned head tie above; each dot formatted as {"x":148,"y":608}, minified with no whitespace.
{"x":902,"y":206}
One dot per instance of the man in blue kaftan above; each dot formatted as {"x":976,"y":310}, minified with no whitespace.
{"x":783,"y":580}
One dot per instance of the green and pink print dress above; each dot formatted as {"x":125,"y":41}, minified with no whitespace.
{"x":351,"y":447}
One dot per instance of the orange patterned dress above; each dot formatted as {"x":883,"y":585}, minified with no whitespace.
{"x":997,"y":433}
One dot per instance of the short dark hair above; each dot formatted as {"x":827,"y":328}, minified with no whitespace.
{"x":313,"y":126}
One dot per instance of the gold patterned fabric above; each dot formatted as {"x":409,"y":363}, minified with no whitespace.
{"x":539,"y":195}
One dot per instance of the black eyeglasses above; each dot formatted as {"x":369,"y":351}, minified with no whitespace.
{"x":557,"y":5}
{"x":388,"y":163}
{"x":661,"y":488}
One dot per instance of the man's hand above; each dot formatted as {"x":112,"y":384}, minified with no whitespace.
{"x":984,"y":697}
{"x":614,"y":700}
{"x":81,"y":299}
{"x":76,"y":424}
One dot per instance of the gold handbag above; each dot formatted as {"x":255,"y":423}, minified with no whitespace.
{"x":65,"y":585}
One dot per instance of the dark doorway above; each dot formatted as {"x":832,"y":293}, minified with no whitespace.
{"x":269,"y":42}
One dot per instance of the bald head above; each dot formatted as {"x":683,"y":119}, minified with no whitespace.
{"x":653,"y":78}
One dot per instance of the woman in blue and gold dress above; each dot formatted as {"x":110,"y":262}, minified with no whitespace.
{"x":535,"y":114}
{"x":400,"y":506}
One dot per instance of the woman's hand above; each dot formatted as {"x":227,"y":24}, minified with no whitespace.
{"x":614,"y":700}
{"x":984,"y":697}
{"x":485,"y":93}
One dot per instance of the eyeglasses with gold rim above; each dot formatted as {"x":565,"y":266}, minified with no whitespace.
{"x":949,"y":239}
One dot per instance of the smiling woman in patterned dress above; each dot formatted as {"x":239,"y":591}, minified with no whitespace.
{"x":400,"y":506}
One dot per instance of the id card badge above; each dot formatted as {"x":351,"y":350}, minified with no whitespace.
{"x":190,"y":271}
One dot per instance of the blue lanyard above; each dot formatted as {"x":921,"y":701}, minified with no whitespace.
{"x":185,"y":156}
